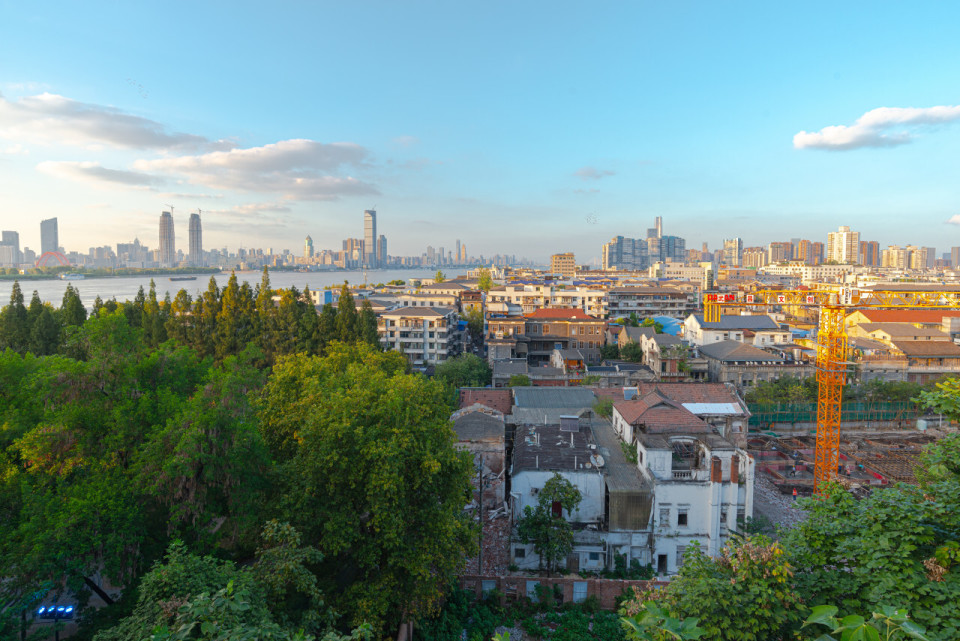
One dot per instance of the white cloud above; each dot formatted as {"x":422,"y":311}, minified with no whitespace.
{"x":592,"y":173}
{"x":53,"y":119}
{"x":954,"y":220}
{"x":873,"y":129}
{"x":14,"y":150}
{"x":296,"y":169}
{"x":93,"y":172}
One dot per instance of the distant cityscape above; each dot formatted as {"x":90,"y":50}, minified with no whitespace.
{"x":657,"y":254}
{"x":368,"y":252}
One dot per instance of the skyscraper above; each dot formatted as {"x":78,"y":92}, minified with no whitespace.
{"x":732,"y":252}
{"x":456,"y":257}
{"x":370,"y":238}
{"x":168,"y":251}
{"x":628,"y":254}
{"x":49,"y":236}
{"x":382,"y":251}
{"x":10,"y":249}
{"x":196,"y":240}
{"x":308,"y":247}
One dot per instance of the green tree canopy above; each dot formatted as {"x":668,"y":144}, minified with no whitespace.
{"x":372,"y":479}
{"x":466,"y":370}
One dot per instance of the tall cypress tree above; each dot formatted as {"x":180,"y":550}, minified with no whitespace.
{"x":368,"y":325}
{"x":72,"y":311}
{"x":346,"y":316}
{"x":14,"y":328}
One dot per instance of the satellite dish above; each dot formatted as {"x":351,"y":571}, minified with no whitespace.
{"x":597,"y":460}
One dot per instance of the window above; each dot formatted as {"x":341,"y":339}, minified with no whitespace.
{"x":681,"y":550}
{"x":487,"y":587}
{"x":520,"y":553}
{"x":557,"y":509}
{"x":682,"y":518}
{"x":532,"y":591}
{"x":594,"y":556}
{"x":723,"y":517}
{"x":579,"y":591}
{"x":664,"y":516}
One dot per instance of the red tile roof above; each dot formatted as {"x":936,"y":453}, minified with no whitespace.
{"x":496,"y":399}
{"x":560,"y":314}
{"x":658,"y":415}
{"x":908,"y":315}
{"x":679,"y":392}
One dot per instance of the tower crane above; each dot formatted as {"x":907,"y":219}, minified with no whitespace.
{"x":833,"y":305}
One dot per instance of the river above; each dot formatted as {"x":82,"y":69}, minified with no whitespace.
{"x":125,"y":287}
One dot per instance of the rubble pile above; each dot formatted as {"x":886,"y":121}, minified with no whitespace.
{"x":779,"y":508}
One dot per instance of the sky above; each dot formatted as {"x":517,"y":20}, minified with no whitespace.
{"x":522,"y":128}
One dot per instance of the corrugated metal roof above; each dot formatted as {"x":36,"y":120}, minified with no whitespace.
{"x":713,"y":408}
{"x":553,"y":397}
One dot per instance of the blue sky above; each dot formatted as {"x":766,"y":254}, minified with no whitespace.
{"x":525,"y":128}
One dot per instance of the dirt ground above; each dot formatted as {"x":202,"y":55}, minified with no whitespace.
{"x":779,"y":508}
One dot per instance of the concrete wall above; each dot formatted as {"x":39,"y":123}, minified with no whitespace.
{"x":590,"y":483}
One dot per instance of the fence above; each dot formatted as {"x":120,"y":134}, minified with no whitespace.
{"x":763,"y":415}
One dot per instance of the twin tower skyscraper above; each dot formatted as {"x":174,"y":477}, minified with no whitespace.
{"x":168,"y":249}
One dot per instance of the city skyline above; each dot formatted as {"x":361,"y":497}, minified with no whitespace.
{"x":566,"y":141}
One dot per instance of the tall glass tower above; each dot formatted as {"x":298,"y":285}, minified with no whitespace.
{"x":49,"y":237}
{"x":168,"y":250}
{"x":370,"y":238}
{"x":196,"y":240}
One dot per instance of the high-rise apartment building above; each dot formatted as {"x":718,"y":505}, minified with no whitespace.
{"x":754,"y":257}
{"x":870,"y":253}
{"x":49,"y":236}
{"x":625,"y":254}
{"x":921,"y":257}
{"x":167,"y":255}
{"x":563,"y":264}
{"x":779,"y":252}
{"x":195,"y":241}
{"x":382,"y":251}
{"x":10,"y":249}
{"x":370,"y":238}
{"x":732,"y":252}
{"x":843,"y":246}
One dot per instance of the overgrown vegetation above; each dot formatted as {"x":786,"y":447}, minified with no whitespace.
{"x":789,"y":389}
{"x":261,"y":451}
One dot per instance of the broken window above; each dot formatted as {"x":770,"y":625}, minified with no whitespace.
{"x":682,"y":518}
{"x":664,"y":516}
{"x":681,"y":550}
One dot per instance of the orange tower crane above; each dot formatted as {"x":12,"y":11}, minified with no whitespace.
{"x":833,"y":305}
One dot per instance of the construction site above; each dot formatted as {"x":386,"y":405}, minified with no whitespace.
{"x":867,"y":460}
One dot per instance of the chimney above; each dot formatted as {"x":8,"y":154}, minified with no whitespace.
{"x":735,"y":469}
{"x":716,"y":470}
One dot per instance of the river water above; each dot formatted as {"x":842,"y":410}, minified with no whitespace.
{"x":125,"y":287}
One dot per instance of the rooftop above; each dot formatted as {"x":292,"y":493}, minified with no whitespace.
{"x":478,"y":425}
{"x":903,"y":329}
{"x":553,"y":397}
{"x":497,"y":399}
{"x":907,"y":315}
{"x":758,"y":322}
{"x":545,"y":447}
{"x":928,"y":349}
{"x":734,"y":351}
{"x":556,"y":313}
{"x":655,"y":413}
{"x":423,"y":312}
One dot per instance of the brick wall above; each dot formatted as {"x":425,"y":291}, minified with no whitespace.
{"x":515,"y":587}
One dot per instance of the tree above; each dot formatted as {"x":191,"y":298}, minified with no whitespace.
{"x":367,"y":325}
{"x":745,"y":593}
{"x":14,"y":327}
{"x":439,"y":277}
{"x":346,"y":316}
{"x":655,"y":324}
{"x":371,"y":477}
{"x":889,"y":622}
{"x":485,"y":281}
{"x":544,"y":525}
{"x":467,"y":370}
{"x":944,"y":400}
{"x":604,"y":406}
{"x":610,"y":351}
{"x":45,"y":333}
{"x":475,"y":322}
{"x":519,"y":380}
{"x":632,"y":352}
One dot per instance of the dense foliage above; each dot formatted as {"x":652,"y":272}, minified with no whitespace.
{"x":789,"y":389}
{"x":255,"y":433}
